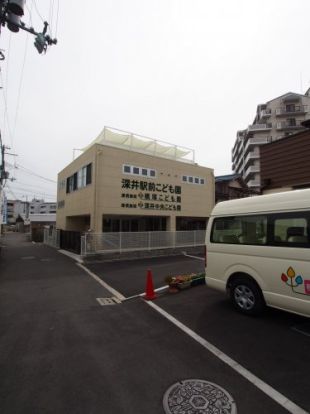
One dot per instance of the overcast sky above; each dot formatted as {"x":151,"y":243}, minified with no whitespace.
{"x":189,"y":72}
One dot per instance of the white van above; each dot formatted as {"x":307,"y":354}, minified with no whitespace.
{"x":258,"y":250}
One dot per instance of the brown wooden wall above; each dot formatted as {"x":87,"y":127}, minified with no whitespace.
{"x":286,"y":162}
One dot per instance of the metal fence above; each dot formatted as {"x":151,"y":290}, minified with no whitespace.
{"x":96,"y":243}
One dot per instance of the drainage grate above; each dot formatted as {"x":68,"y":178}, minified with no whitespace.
{"x":108,"y":301}
{"x":198,"y":396}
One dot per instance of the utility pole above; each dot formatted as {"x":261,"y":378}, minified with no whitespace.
{"x":11,"y":12}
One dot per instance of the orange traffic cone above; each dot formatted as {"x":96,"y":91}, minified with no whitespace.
{"x":149,"y":290}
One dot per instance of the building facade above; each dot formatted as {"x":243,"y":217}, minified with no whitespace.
{"x":274,"y":120}
{"x":37,"y":206}
{"x":124,"y":182}
{"x":285,"y":163}
{"x":15,"y":210}
{"x":230,"y":187}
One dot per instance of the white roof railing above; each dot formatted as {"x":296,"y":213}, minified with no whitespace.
{"x":133,"y":142}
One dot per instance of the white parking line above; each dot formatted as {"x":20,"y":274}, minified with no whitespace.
{"x":193,"y":257}
{"x":102,"y":283}
{"x":263,"y":386}
{"x":296,"y":329}
{"x":140,"y":295}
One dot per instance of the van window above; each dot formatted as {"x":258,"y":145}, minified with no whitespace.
{"x":240,"y":230}
{"x":291,"y":230}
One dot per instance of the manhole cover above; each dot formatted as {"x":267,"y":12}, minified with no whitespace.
{"x":198,"y":396}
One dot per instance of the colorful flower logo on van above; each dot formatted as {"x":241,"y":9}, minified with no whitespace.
{"x":293,"y":281}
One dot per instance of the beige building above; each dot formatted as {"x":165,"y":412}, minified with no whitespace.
{"x":274,"y":120}
{"x":124,"y":182}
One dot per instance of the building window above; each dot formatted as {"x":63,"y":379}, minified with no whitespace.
{"x":193,"y":180}
{"x":143,"y":171}
{"x":88,"y":174}
{"x":291,"y":122}
{"x":79,"y":179}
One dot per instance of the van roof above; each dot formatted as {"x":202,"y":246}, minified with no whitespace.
{"x":288,"y":200}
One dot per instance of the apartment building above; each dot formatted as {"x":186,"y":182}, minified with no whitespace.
{"x":16,"y":209}
{"x":38,"y":206}
{"x":124,"y":182}
{"x":274,"y":120}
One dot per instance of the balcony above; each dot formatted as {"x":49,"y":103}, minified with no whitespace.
{"x":238,"y":165}
{"x":238,"y":142}
{"x":251,"y":170}
{"x":292,"y":125}
{"x":253,"y":183}
{"x":292,"y":110}
{"x":259,"y":127}
{"x":265,"y":113}
{"x":253,"y":155}
{"x":256,"y":141}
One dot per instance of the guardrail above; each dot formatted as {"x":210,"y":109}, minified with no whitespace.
{"x":98,"y":243}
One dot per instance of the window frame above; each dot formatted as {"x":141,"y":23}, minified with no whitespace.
{"x":270,"y":229}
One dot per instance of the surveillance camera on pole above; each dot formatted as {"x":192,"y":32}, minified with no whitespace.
{"x":15,"y":9}
{"x":11,"y":12}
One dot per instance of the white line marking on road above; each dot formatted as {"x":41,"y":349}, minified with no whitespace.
{"x":263,"y":386}
{"x":102,"y":283}
{"x":300,"y":331}
{"x":193,"y":257}
{"x":140,"y":295}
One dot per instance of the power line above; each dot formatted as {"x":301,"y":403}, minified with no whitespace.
{"x":29,"y":193}
{"x":51,"y":15}
{"x":21,"y":79}
{"x":30,"y":185}
{"x":32,"y":191}
{"x":57,"y":15}
{"x":30,"y":172}
{"x":5,"y":90}
{"x":34,"y":173}
{"x":6,"y":110}
{"x":37,"y":10}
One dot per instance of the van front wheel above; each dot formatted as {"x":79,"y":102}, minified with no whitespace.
{"x":246,"y":296}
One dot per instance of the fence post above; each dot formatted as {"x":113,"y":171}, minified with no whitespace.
{"x":149,"y":240}
{"x":82,"y":242}
{"x":120,"y":242}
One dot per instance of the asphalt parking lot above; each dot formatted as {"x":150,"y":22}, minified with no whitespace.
{"x":274,"y":347}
